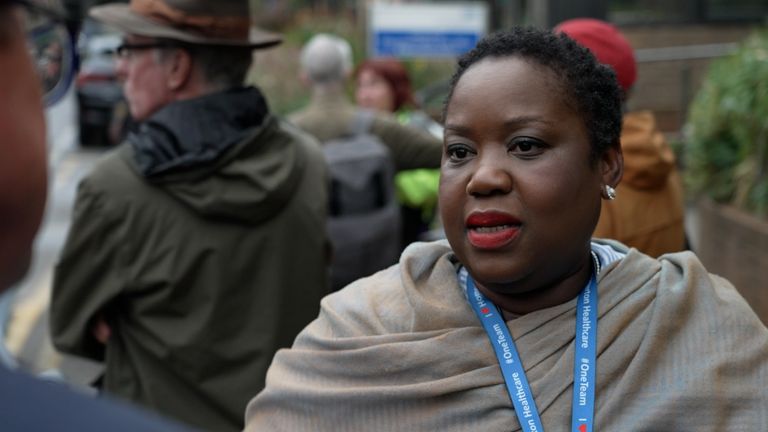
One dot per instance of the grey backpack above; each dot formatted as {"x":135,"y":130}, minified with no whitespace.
{"x":364,"y":217}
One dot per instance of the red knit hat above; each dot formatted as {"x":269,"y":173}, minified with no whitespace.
{"x":606,"y":43}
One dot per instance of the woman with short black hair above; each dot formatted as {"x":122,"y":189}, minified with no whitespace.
{"x":521,"y":321}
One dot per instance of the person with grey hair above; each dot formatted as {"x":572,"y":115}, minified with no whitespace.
{"x":326,"y":59}
{"x":197,"y":248}
{"x":326,"y":66}
{"x":363,"y":246}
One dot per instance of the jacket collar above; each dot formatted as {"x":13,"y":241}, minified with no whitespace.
{"x":186,"y":134}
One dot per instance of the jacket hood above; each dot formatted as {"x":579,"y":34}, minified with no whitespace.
{"x":222,"y":154}
{"x":648,"y":159}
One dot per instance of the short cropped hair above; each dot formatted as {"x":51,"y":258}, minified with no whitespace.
{"x":326,"y":59}
{"x":590,"y":88}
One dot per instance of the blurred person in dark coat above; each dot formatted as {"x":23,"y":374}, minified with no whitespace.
{"x":29,"y":403}
{"x":198,"y":246}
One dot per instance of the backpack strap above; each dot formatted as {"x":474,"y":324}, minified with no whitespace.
{"x":361,"y":122}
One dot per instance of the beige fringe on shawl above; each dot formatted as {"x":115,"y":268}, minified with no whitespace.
{"x":678,"y":350}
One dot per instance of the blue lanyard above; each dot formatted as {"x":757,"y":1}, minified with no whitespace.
{"x":584,"y":362}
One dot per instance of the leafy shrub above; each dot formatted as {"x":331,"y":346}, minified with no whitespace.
{"x":727,"y":149}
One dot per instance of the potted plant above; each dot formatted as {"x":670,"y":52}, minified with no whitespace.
{"x":727,"y":168}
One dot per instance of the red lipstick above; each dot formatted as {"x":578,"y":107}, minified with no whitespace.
{"x":491,"y":230}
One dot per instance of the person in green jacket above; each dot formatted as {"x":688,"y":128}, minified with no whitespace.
{"x":198,"y":246}
{"x":383,"y":84}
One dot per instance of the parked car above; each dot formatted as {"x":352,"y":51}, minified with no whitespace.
{"x":102,"y":108}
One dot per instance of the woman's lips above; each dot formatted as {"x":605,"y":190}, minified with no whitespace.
{"x":491,"y":230}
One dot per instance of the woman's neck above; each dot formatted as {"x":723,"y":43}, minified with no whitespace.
{"x":512,"y":305}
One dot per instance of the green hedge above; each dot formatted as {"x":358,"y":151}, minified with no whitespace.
{"x":727,"y":132}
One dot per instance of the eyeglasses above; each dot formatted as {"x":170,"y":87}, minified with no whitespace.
{"x":124,"y":49}
{"x":50,"y":46}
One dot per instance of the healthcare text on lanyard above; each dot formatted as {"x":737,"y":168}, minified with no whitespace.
{"x":585,"y":358}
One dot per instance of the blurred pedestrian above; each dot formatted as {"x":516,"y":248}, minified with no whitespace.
{"x":383,"y":84}
{"x":198,"y":246}
{"x":326,"y":66}
{"x":31,"y":404}
{"x":648,"y":212}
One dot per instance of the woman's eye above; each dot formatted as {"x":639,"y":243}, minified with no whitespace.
{"x":526,"y":146}
{"x":458,"y":152}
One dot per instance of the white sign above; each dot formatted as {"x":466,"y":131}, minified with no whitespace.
{"x":431,"y":30}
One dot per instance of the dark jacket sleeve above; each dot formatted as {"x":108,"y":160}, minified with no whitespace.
{"x":411,"y":148}
{"x":89,"y":274}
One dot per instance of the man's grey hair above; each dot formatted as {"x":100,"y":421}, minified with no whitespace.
{"x":222,"y":67}
{"x":326,"y":59}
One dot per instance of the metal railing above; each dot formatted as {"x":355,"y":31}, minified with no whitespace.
{"x":685,"y":54}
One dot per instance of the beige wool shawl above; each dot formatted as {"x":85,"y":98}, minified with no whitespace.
{"x":678,"y":350}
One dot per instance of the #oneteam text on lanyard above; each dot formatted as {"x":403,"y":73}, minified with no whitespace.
{"x":585,"y":358}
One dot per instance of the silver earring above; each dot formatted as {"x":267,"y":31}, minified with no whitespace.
{"x":610,"y":192}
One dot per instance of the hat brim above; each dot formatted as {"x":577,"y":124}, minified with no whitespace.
{"x":121,"y":17}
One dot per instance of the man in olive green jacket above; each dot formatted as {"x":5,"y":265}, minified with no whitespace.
{"x":198,"y":247}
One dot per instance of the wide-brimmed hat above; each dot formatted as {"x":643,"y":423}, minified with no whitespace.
{"x":200,"y":22}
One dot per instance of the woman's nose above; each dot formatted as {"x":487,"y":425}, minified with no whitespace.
{"x":490,"y":177}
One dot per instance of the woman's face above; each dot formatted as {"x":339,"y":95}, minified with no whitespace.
{"x":374,"y":92}
{"x":518,"y":195}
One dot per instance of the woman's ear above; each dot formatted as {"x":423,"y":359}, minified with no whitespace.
{"x":612,"y":166}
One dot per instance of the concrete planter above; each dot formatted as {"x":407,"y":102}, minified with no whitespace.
{"x":734,"y":244}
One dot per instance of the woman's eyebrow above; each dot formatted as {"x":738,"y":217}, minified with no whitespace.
{"x":523,"y":120}
{"x":456,"y":128}
{"x":509,"y":123}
